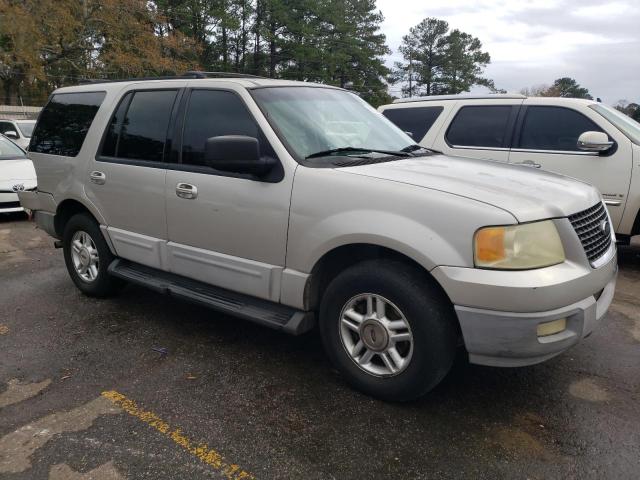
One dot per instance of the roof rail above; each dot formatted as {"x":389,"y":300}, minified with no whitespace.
{"x":461,"y":96}
{"x":190,"y":75}
{"x":199,"y":74}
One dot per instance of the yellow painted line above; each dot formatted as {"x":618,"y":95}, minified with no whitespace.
{"x":208,"y":455}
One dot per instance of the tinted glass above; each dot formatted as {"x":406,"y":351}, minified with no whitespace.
{"x":111,"y":138}
{"x":64,"y":123}
{"x":144,"y":128}
{"x":416,"y":121}
{"x":9,"y":150}
{"x":480,"y":126}
{"x":554,"y":128}
{"x":212,"y":114}
{"x":6,"y":127}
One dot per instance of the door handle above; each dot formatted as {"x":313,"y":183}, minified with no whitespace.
{"x":186,"y":190}
{"x":98,"y":177}
{"x":529,"y":163}
{"x":613,"y":203}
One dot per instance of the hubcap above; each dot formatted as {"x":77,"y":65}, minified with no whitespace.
{"x":376,"y":335}
{"x":84,"y":256}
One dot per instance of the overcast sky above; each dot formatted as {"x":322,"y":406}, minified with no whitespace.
{"x":532,"y":42}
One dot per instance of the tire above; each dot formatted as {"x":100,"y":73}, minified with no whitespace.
{"x":411,"y":299}
{"x":95,"y":282}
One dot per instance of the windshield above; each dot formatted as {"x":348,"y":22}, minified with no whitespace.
{"x":622,"y":122}
{"x":9,"y":150}
{"x":26,"y":128}
{"x":313,"y":120}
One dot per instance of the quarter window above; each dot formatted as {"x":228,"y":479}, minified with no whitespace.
{"x":214,"y":113}
{"x":416,"y":121}
{"x":554,"y":128}
{"x":480,"y":126}
{"x":64,"y":123}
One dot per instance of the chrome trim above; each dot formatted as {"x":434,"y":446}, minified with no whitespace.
{"x":613,"y":203}
{"x":466,"y":147}
{"x":558,"y":152}
{"x":608,"y":255}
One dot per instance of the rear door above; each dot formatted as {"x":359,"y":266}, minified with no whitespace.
{"x":547,"y":136}
{"x":126,"y":179}
{"x":479,"y":129}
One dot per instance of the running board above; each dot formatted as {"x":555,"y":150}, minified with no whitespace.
{"x":263,"y":312}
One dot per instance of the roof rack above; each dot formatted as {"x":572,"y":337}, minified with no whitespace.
{"x":461,"y":96}
{"x":190,"y":75}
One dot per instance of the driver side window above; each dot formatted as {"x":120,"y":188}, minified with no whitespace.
{"x":214,"y":113}
{"x":554,"y":128}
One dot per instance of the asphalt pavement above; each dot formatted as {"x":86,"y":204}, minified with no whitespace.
{"x":142,"y":386}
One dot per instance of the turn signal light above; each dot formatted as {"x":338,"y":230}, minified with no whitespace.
{"x":551,"y":328}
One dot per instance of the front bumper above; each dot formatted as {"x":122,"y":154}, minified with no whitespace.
{"x":499,"y":312}
{"x":9,"y":202}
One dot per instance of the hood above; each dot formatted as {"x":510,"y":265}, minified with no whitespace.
{"x":20,"y":170}
{"x":527,"y":193}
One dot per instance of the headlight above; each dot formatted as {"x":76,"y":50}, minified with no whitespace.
{"x":518,"y":247}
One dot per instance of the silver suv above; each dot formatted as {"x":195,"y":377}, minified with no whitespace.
{"x":291,"y":204}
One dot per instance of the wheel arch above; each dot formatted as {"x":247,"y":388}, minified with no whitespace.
{"x":339,"y":258}
{"x":67,"y":209}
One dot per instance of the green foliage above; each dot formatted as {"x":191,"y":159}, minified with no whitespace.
{"x":631,"y":109}
{"x":568,"y":87}
{"x":439,"y":61}
{"x":562,"y":87}
{"x":45,"y":44}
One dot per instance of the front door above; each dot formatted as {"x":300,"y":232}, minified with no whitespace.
{"x":126,"y":180}
{"x":547,"y":136}
{"x":226,"y":229}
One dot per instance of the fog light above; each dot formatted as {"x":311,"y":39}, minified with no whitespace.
{"x":551,"y":328}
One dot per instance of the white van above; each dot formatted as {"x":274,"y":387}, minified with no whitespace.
{"x":583,"y":139}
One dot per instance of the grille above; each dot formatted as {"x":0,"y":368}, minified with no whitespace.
{"x":588,"y":224}
{"x":9,"y":205}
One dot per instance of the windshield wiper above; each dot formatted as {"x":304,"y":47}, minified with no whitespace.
{"x":415,"y":147}
{"x":326,"y":153}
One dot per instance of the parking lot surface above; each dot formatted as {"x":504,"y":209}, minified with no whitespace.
{"x":145,"y":386}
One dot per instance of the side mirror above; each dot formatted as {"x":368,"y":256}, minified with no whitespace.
{"x":594,"y":142}
{"x":11,"y":134}
{"x":236,"y":153}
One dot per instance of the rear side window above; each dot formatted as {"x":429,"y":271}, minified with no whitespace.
{"x":554,"y":128}
{"x":138,"y":129}
{"x":64,"y":123}
{"x":480,"y":126}
{"x":214,"y":113}
{"x":416,"y":121}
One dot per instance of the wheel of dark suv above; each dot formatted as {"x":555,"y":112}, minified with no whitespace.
{"x":388,"y":329}
{"x":87,"y":257}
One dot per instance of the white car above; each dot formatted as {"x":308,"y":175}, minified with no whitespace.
{"x":16,"y":175}
{"x":19,"y":131}
{"x":583,"y":139}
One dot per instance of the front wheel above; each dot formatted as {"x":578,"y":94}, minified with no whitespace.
{"x":388,"y":329}
{"x":87,"y":256}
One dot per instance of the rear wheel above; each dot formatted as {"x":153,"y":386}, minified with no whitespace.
{"x":87,"y":257}
{"x":388,"y":329}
